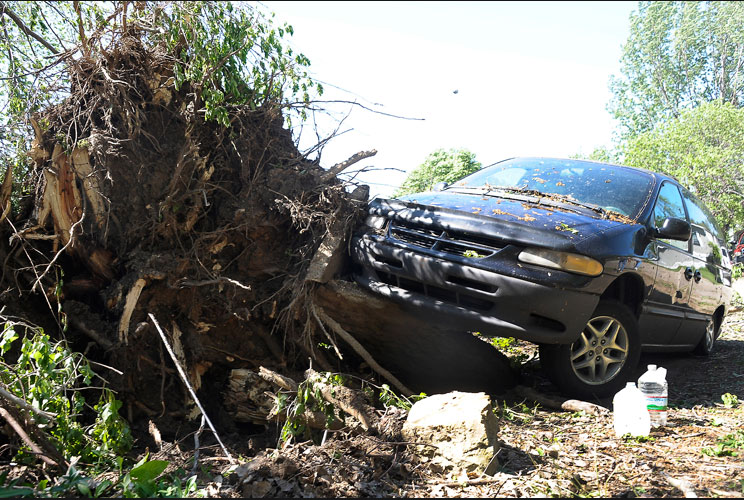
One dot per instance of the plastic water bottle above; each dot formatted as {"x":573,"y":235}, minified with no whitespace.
{"x":654,"y":387}
{"x":630,"y":415}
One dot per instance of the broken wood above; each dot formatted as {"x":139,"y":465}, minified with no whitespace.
{"x":249,"y":398}
{"x":282,"y":381}
{"x":347,"y":399}
{"x":340,"y":167}
{"x":129,"y":305}
{"x":682,"y":485}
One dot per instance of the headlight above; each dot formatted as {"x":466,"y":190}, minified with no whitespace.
{"x":375,"y":221}
{"x":570,"y":262}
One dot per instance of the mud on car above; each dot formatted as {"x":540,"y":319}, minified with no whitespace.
{"x":594,"y":262}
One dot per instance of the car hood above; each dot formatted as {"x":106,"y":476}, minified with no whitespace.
{"x":525,"y":220}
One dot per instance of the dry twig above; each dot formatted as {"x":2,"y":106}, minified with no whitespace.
{"x":188,"y":385}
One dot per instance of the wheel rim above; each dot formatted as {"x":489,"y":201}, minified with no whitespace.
{"x":710,"y":332}
{"x":601,"y":350}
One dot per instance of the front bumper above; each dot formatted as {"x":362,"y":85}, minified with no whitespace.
{"x":472,"y":298}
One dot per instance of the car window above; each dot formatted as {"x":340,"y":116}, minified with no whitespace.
{"x":707,"y":241}
{"x":669,"y":204}
{"x":620,"y":189}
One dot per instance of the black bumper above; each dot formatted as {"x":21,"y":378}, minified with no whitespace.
{"x":474,"y":299}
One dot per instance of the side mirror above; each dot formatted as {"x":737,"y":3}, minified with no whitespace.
{"x":674,"y":229}
{"x":440,"y":186}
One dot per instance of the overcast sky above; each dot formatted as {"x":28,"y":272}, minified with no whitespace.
{"x":501,"y":79}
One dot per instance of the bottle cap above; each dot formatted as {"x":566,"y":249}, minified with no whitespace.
{"x":652,"y":368}
{"x":630,"y":384}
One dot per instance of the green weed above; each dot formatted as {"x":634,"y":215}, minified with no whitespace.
{"x":730,"y":400}
{"x":727,"y":446}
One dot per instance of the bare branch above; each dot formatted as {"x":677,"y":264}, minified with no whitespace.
{"x":22,"y":26}
{"x":339,"y":167}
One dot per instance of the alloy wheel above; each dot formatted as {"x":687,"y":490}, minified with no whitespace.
{"x":710,"y":335}
{"x":601,"y":350}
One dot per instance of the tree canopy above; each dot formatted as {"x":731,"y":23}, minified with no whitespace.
{"x":678,"y":56}
{"x":439,"y":166}
{"x":704,"y":150}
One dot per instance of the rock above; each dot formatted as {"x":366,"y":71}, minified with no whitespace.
{"x":460,"y":428}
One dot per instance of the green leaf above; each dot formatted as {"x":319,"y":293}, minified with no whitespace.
{"x":148,"y":471}
{"x":12,"y":492}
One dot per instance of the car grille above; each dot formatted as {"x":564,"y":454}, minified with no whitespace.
{"x":436,"y":292}
{"x":450,"y":242}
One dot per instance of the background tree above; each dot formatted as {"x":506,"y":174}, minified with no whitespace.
{"x":704,"y":150}
{"x":439,"y":166}
{"x":601,"y":153}
{"x":678,"y":55}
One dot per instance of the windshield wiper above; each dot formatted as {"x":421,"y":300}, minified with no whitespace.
{"x":541,"y":196}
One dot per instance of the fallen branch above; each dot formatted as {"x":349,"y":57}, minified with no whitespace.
{"x":285,"y":383}
{"x":23,"y":404}
{"x":340,"y":167}
{"x":681,"y":484}
{"x":18,"y":428}
{"x":346,"y":399}
{"x":560,"y":404}
{"x":359,"y":349}
{"x":188,"y":385}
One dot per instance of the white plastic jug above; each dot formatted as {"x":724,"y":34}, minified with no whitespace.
{"x":630,"y":415}
{"x":654,"y":387}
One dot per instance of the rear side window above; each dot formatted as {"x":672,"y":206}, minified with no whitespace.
{"x":707,"y":240}
{"x":669,"y":204}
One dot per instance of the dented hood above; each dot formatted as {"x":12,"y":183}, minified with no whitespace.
{"x":526,"y":220}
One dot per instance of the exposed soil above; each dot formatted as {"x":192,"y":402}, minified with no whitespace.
{"x":543,"y":452}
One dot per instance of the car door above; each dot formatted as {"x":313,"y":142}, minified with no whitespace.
{"x":667,"y":302}
{"x":707,"y":282}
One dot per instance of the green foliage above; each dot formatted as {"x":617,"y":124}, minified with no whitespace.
{"x":389,"y":398}
{"x":308,"y":399}
{"x":231,"y":54}
{"x":144,"y":480}
{"x":472,"y":254}
{"x":50,"y":377}
{"x":520,"y":411}
{"x":730,"y":400}
{"x":678,"y":55}
{"x":727,"y":445}
{"x":440,"y":166}
{"x":736,"y":272}
{"x":704,"y":150}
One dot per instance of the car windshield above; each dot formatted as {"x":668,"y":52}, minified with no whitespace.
{"x":619,"y":189}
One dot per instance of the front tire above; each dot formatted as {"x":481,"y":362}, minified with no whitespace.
{"x":602,"y":359}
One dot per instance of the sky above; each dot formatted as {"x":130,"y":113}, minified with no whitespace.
{"x":501,"y":79}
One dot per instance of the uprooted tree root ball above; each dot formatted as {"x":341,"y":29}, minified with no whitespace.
{"x":142,"y":206}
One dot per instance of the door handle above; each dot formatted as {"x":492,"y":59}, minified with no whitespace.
{"x":688,"y":273}
{"x":698,"y":276}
